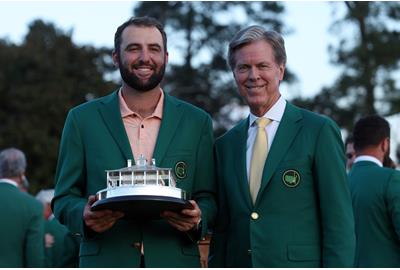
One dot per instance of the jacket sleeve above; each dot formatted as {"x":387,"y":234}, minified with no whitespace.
{"x":393,"y":201}
{"x":218,"y":240}
{"x":34,"y":241}
{"x":204,"y":187}
{"x":338,"y":233}
{"x":69,"y":201}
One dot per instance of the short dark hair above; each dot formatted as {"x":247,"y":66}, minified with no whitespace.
{"x":141,"y":22}
{"x":370,"y":131}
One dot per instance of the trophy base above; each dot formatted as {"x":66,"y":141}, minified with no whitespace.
{"x":141,"y":206}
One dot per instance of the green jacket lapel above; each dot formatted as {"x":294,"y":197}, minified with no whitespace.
{"x":287,"y":131}
{"x":172,"y":114}
{"x":240,"y":142}
{"x":110,"y":111}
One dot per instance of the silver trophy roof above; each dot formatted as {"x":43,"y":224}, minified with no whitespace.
{"x":141,"y":165}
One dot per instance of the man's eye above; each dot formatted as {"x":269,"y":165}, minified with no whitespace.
{"x":242,"y":68}
{"x":155,"y":49}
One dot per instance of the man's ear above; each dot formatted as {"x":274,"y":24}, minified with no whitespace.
{"x":115,"y":58}
{"x":20,"y":179}
{"x":282,"y":69}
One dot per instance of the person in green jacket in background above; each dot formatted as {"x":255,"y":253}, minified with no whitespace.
{"x":137,"y":119}
{"x":61,"y":247}
{"x":375,"y":193}
{"x":283,"y":194}
{"x":21,"y":225}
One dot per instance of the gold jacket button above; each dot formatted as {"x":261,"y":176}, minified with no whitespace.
{"x":254,"y":216}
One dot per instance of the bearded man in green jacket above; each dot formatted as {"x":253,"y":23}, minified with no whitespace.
{"x":138,"y":119}
{"x":375,"y":193}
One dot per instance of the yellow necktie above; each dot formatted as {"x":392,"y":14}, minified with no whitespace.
{"x":260,"y":151}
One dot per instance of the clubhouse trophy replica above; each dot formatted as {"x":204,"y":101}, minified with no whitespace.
{"x":141,"y":190}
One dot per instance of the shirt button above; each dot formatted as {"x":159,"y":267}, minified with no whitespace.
{"x":254,"y":216}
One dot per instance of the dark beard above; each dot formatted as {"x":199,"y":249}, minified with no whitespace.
{"x":388,"y":162}
{"x":134,"y":82}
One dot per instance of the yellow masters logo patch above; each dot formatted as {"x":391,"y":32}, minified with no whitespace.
{"x":291,"y":178}
{"x":180,"y":169}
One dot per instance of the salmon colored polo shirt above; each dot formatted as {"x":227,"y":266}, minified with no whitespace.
{"x":142,"y":132}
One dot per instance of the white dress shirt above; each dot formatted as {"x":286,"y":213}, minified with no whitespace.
{"x":8,"y":181}
{"x":275,"y":114}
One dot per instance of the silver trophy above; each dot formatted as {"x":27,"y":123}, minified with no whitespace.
{"x":142,"y":190}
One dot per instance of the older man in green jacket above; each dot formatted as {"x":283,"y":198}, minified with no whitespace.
{"x":284,"y":199}
{"x":21,"y":225}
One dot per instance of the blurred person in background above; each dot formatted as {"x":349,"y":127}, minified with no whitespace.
{"x":61,"y":247}
{"x":350,"y":153}
{"x":375,"y":191}
{"x":22,"y":225}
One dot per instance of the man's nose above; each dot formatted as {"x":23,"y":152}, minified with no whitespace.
{"x":254,"y":74}
{"x":145,"y":56}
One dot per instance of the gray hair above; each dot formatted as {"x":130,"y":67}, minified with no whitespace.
{"x":12,"y":163}
{"x":255,"y":33}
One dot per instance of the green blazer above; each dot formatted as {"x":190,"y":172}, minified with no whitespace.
{"x":21,"y":229}
{"x":376,"y":202}
{"x":65,"y":250}
{"x":94,"y":140}
{"x":302,"y":216}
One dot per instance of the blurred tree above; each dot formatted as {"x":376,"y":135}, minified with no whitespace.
{"x":40,"y":80}
{"x":201,"y":31}
{"x":368,"y":51}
